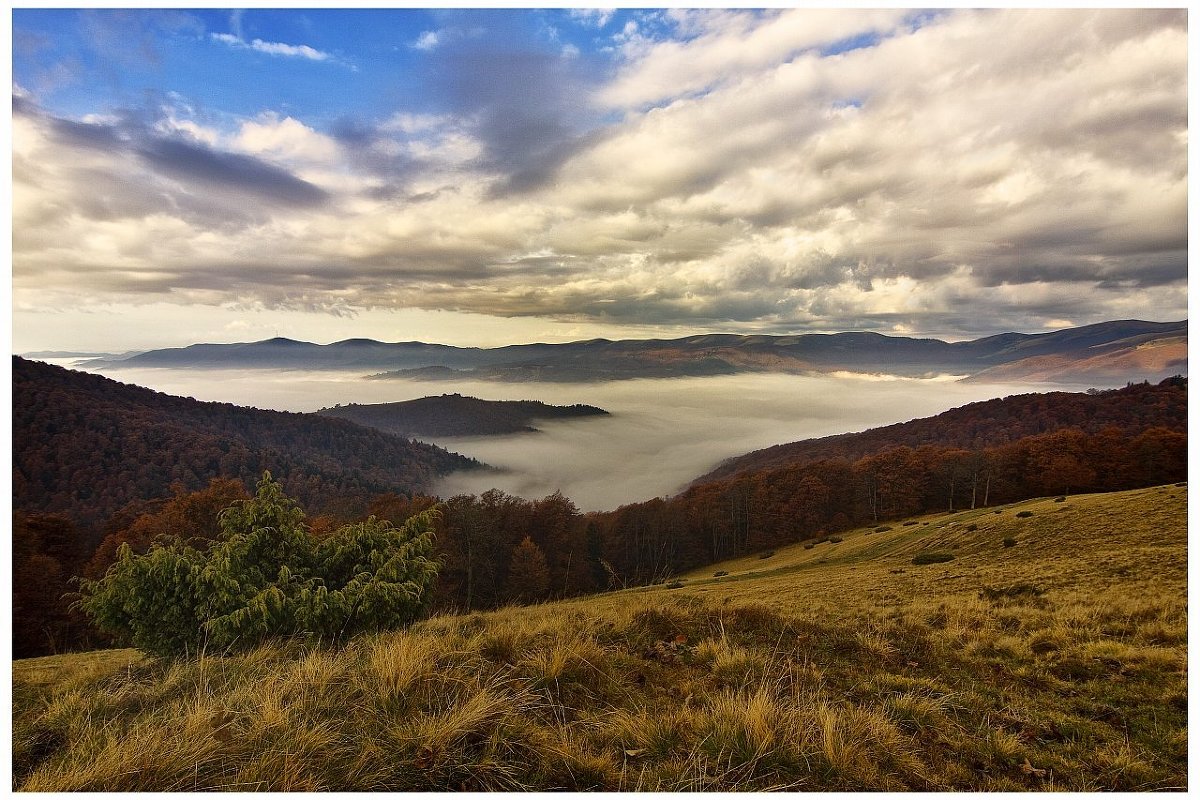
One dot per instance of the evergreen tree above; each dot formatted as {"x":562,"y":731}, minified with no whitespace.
{"x":266,"y":577}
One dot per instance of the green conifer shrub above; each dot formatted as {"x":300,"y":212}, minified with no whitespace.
{"x":266,"y":577}
{"x":932,"y":558}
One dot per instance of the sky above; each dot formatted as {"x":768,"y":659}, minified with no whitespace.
{"x":486,"y":177}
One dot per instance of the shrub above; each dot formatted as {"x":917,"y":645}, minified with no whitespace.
{"x":835,"y":539}
{"x":675,"y":584}
{"x":883,"y":528}
{"x":1024,"y":514}
{"x":932,"y":558}
{"x":720,"y":573}
{"x":1060,"y":499}
{"x":266,"y":577}
{"x":972,"y":527}
{"x":911,"y":522}
{"x":809,"y":545}
{"x":1009,"y":541}
{"x":767,"y":554}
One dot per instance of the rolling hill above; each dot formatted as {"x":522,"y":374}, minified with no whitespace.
{"x":456,"y":415}
{"x":986,"y":424}
{"x":85,"y":446}
{"x":1050,"y":654}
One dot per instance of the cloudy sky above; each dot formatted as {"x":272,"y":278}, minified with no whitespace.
{"x":486,"y":177}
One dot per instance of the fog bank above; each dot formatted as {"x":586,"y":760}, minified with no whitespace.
{"x":661,"y":434}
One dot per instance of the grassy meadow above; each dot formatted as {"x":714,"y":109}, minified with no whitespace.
{"x":1049,"y":653}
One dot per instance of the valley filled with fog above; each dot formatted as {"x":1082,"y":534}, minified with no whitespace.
{"x":661,"y":434}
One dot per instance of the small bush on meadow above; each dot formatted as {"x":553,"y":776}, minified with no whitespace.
{"x":266,"y":577}
{"x":1009,"y":541}
{"x":932,"y":558}
{"x":1024,"y":514}
{"x":883,"y":529}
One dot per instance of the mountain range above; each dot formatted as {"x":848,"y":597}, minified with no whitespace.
{"x":1107,"y":353}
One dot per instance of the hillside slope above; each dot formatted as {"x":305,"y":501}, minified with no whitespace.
{"x":84,"y":446}
{"x":455,"y":415}
{"x":1055,"y":664}
{"x":1151,"y":357}
{"x":987,"y":423}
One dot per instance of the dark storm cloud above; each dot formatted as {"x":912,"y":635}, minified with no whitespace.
{"x":199,"y":163}
{"x":366,"y":146}
{"x":529,"y":103}
{"x":87,"y":134}
{"x":229,"y":178}
{"x":1142,"y":273}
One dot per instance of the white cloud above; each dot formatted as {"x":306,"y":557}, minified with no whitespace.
{"x":405,"y":122}
{"x":294,"y":50}
{"x":428,"y":40}
{"x":595,"y":17}
{"x":273,"y":48}
{"x":285,"y":139}
{"x":725,"y":46}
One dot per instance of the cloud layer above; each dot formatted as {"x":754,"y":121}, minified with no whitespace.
{"x":956,"y":174}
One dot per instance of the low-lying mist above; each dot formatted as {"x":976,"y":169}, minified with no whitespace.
{"x":662,"y":433}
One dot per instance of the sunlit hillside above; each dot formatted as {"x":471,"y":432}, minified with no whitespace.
{"x":1044,"y":648}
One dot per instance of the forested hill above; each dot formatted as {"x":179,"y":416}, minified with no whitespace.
{"x":85,"y":446}
{"x":456,"y":415}
{"x":988,"y":423}
{"x":1040,"y":445}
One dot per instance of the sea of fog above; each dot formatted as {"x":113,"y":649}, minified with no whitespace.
{"x":661,"y":434}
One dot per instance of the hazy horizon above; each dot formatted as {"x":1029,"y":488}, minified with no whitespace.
{"x":147,"y":348}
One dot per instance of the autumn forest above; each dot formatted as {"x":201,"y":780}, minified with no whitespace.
{"x":99,"y":463}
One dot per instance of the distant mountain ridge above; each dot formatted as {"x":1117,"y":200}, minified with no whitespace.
{"x":1107,"y":352}
{"x":456,"y":415}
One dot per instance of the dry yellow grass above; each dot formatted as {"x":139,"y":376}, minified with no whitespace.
{"x":1058,"y":663}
